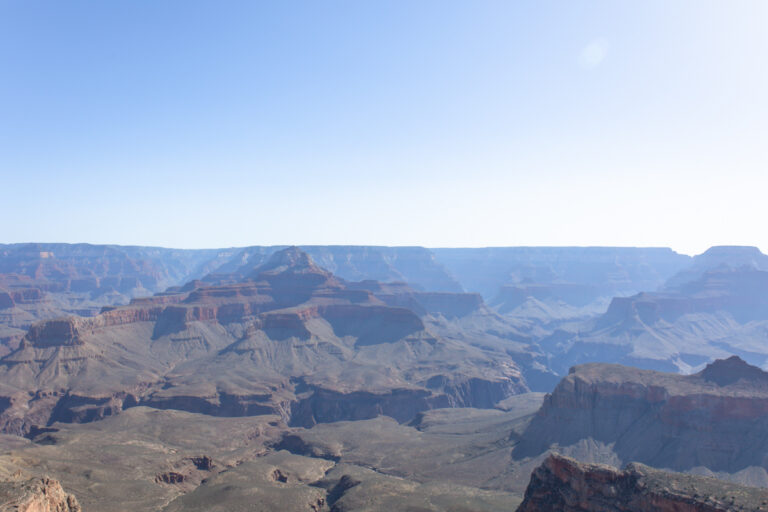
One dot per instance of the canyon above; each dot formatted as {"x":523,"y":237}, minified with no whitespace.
{"x":290,"y":339}
{"x":333,"y":378}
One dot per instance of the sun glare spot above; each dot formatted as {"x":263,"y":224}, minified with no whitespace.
{"x":593,"y":54}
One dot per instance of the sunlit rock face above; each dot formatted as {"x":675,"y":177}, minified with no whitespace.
{"x":564,"y":485}
{"x":36,"y":495}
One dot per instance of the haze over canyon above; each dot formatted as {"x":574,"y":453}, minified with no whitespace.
{"x":380,"y":256}
{"x":370,"y":378}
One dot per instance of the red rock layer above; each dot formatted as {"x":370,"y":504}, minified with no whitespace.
{"x":562,"y":484}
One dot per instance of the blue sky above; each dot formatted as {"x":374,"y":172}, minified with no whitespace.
{"x":436,"y":123}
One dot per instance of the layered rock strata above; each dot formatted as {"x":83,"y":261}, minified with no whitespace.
{"x":290,"y":338}
{"x":715,"y":419}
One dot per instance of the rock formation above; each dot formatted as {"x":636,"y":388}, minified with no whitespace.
{"x":718,"y":258}
{"x":415,"y":265}
{"x":721,"y":310}
{"x":562,"y":484}
{"x":710,"y":422}
{"x":289,"y":338}
{"x":36,"y":495}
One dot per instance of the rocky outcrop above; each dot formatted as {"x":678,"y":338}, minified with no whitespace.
{"x":72,"y":408}
{"x":324,"y":406}
{"x":416,"y":265}
{"x":9,"y":299}
{"x":36,"y":495}
{"x":725,"y":372}
{"x":715,"y":419}
{"x":222,"y":404}
{"x":562,"y":484}
{"x":67,"y":331}
{"x":23,"y":415}
{"x":480,"y":393}
{"x":170,"y":477}
{"x":450,"y":305}
{"x":62,"y":331}
{"x":373,"y":324}
{"x":446,"y":304}
{"x":6,"y":300}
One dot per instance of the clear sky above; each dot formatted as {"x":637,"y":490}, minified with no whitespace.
{"x":437,"y":123}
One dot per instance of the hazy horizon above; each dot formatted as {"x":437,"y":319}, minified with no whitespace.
{"x":204,"y":248}
{"x":438,"y":124}
{"x":381,"y":255}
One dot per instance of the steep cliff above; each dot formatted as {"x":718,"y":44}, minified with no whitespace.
{"x":713,"y":421}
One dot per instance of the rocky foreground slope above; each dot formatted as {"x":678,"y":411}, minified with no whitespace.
{"x":151,"y":460}
{"x":562,"y":484}
{"x":36,"y":495}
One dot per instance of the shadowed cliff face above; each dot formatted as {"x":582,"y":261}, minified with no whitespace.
{"x":289,"y":339}
{"x":561,"y":484}
{"x":715,"y":419}
{"x":449,"y":305}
